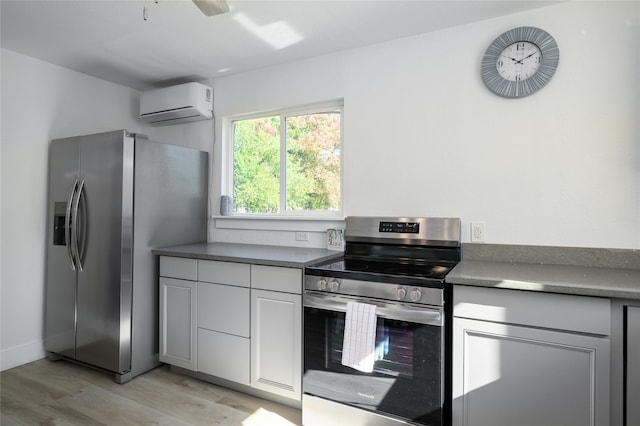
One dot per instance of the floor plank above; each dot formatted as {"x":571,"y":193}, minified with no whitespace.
{"x":62,"y":393}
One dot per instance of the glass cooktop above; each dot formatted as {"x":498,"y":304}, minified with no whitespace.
{"x":356,"y":267}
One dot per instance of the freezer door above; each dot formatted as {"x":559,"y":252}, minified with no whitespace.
{"x":105,"y":242}
{"x":60,"y":308}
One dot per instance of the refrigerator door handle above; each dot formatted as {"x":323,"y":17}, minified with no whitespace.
{"x":74,"y":229}
{"x":69,"y":226}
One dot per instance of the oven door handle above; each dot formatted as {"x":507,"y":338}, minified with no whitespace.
{"x":428,"y":315}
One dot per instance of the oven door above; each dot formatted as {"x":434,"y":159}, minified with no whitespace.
{"x":407,"y":378}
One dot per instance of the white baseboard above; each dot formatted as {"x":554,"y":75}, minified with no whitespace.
{"x":23,"y":354}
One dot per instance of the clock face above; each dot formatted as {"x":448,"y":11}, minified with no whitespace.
{"x":519,"y":61}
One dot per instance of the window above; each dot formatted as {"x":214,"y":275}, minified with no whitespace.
{"x":287,"y":162}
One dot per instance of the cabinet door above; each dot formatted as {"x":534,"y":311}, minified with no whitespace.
{"x":632,"y":391}
{"x":276,"y":342}
{"x":178,"y":322}
{"x":512,"y":375}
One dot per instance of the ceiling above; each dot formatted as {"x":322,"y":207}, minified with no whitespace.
{"x":110,"y":40}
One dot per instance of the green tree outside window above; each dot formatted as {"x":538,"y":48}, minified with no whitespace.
{"x":311,"y":144}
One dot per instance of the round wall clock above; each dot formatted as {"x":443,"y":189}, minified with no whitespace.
{"x":520,"y":62}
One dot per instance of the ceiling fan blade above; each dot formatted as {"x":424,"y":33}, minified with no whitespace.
{"x":212,"y":7}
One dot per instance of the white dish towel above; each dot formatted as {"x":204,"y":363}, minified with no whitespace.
{"x":358,"y":347}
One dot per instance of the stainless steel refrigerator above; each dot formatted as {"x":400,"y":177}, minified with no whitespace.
{"x":112,"y":198}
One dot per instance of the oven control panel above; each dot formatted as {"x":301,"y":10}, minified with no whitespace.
{"x":376,"y":290}
{"x":400,"y":227}
{"x":424,"y":231}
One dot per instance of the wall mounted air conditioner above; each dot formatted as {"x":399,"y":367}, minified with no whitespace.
{"x":177,"y":104}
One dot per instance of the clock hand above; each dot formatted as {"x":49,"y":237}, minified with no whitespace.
{"x":526,"y":57}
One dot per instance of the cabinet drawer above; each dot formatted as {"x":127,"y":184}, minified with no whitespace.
{"x":212,"y":271}
{"x":224,"y":308}
{"x":224,"y":356}
{"x":179,"y":267}
{"x":555,"y":311}
{"x":288,"y":280}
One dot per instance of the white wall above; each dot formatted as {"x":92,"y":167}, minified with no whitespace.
{"x":41,"y":102}
{"x":424,"y":137}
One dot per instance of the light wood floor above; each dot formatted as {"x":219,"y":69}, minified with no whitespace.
{"x":61,"y":393}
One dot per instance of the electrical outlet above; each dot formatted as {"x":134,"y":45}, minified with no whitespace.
{"x":477,"y":232}
{"x":302,"y":236}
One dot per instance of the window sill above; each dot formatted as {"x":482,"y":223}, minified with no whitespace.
{"x":277,"y":217}
{"x":279,"y":223}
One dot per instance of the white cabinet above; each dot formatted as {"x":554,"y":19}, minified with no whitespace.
{"x":527,"y":358}
{"x":223,"y":355}
{"x":234,"y":321}
{"x":276,"y":342}
{"x":223,"y":320}
{"x":276,"y":330}
{"x":223,"y":308}
{"x":178,"y":310}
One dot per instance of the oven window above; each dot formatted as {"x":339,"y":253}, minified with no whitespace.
{"x":393,"y":347}
{"x":407,"y":378}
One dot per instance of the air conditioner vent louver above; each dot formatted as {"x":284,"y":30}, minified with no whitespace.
{"x":177,"y":104}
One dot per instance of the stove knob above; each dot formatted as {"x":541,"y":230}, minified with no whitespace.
{"x":401,"y":293}
{"x":322,"y":284}
{"x":334,"y":285}
{"x":415,"y":295}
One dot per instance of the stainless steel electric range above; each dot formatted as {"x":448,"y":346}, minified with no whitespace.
{"x":376,"y":323}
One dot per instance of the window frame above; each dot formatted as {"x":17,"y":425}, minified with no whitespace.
{"x":228,"y":167}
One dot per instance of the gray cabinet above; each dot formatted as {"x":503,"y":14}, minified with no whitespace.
{"x":178,"y":310}
{"x":530,"y":358}
{"x":276,"y":330}
{"x":632,"y":345}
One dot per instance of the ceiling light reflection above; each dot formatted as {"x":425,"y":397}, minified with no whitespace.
{"x":278,"y":34}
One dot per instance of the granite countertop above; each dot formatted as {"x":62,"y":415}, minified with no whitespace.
{"x":612,"y":273}
{"x":251,"y":253}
